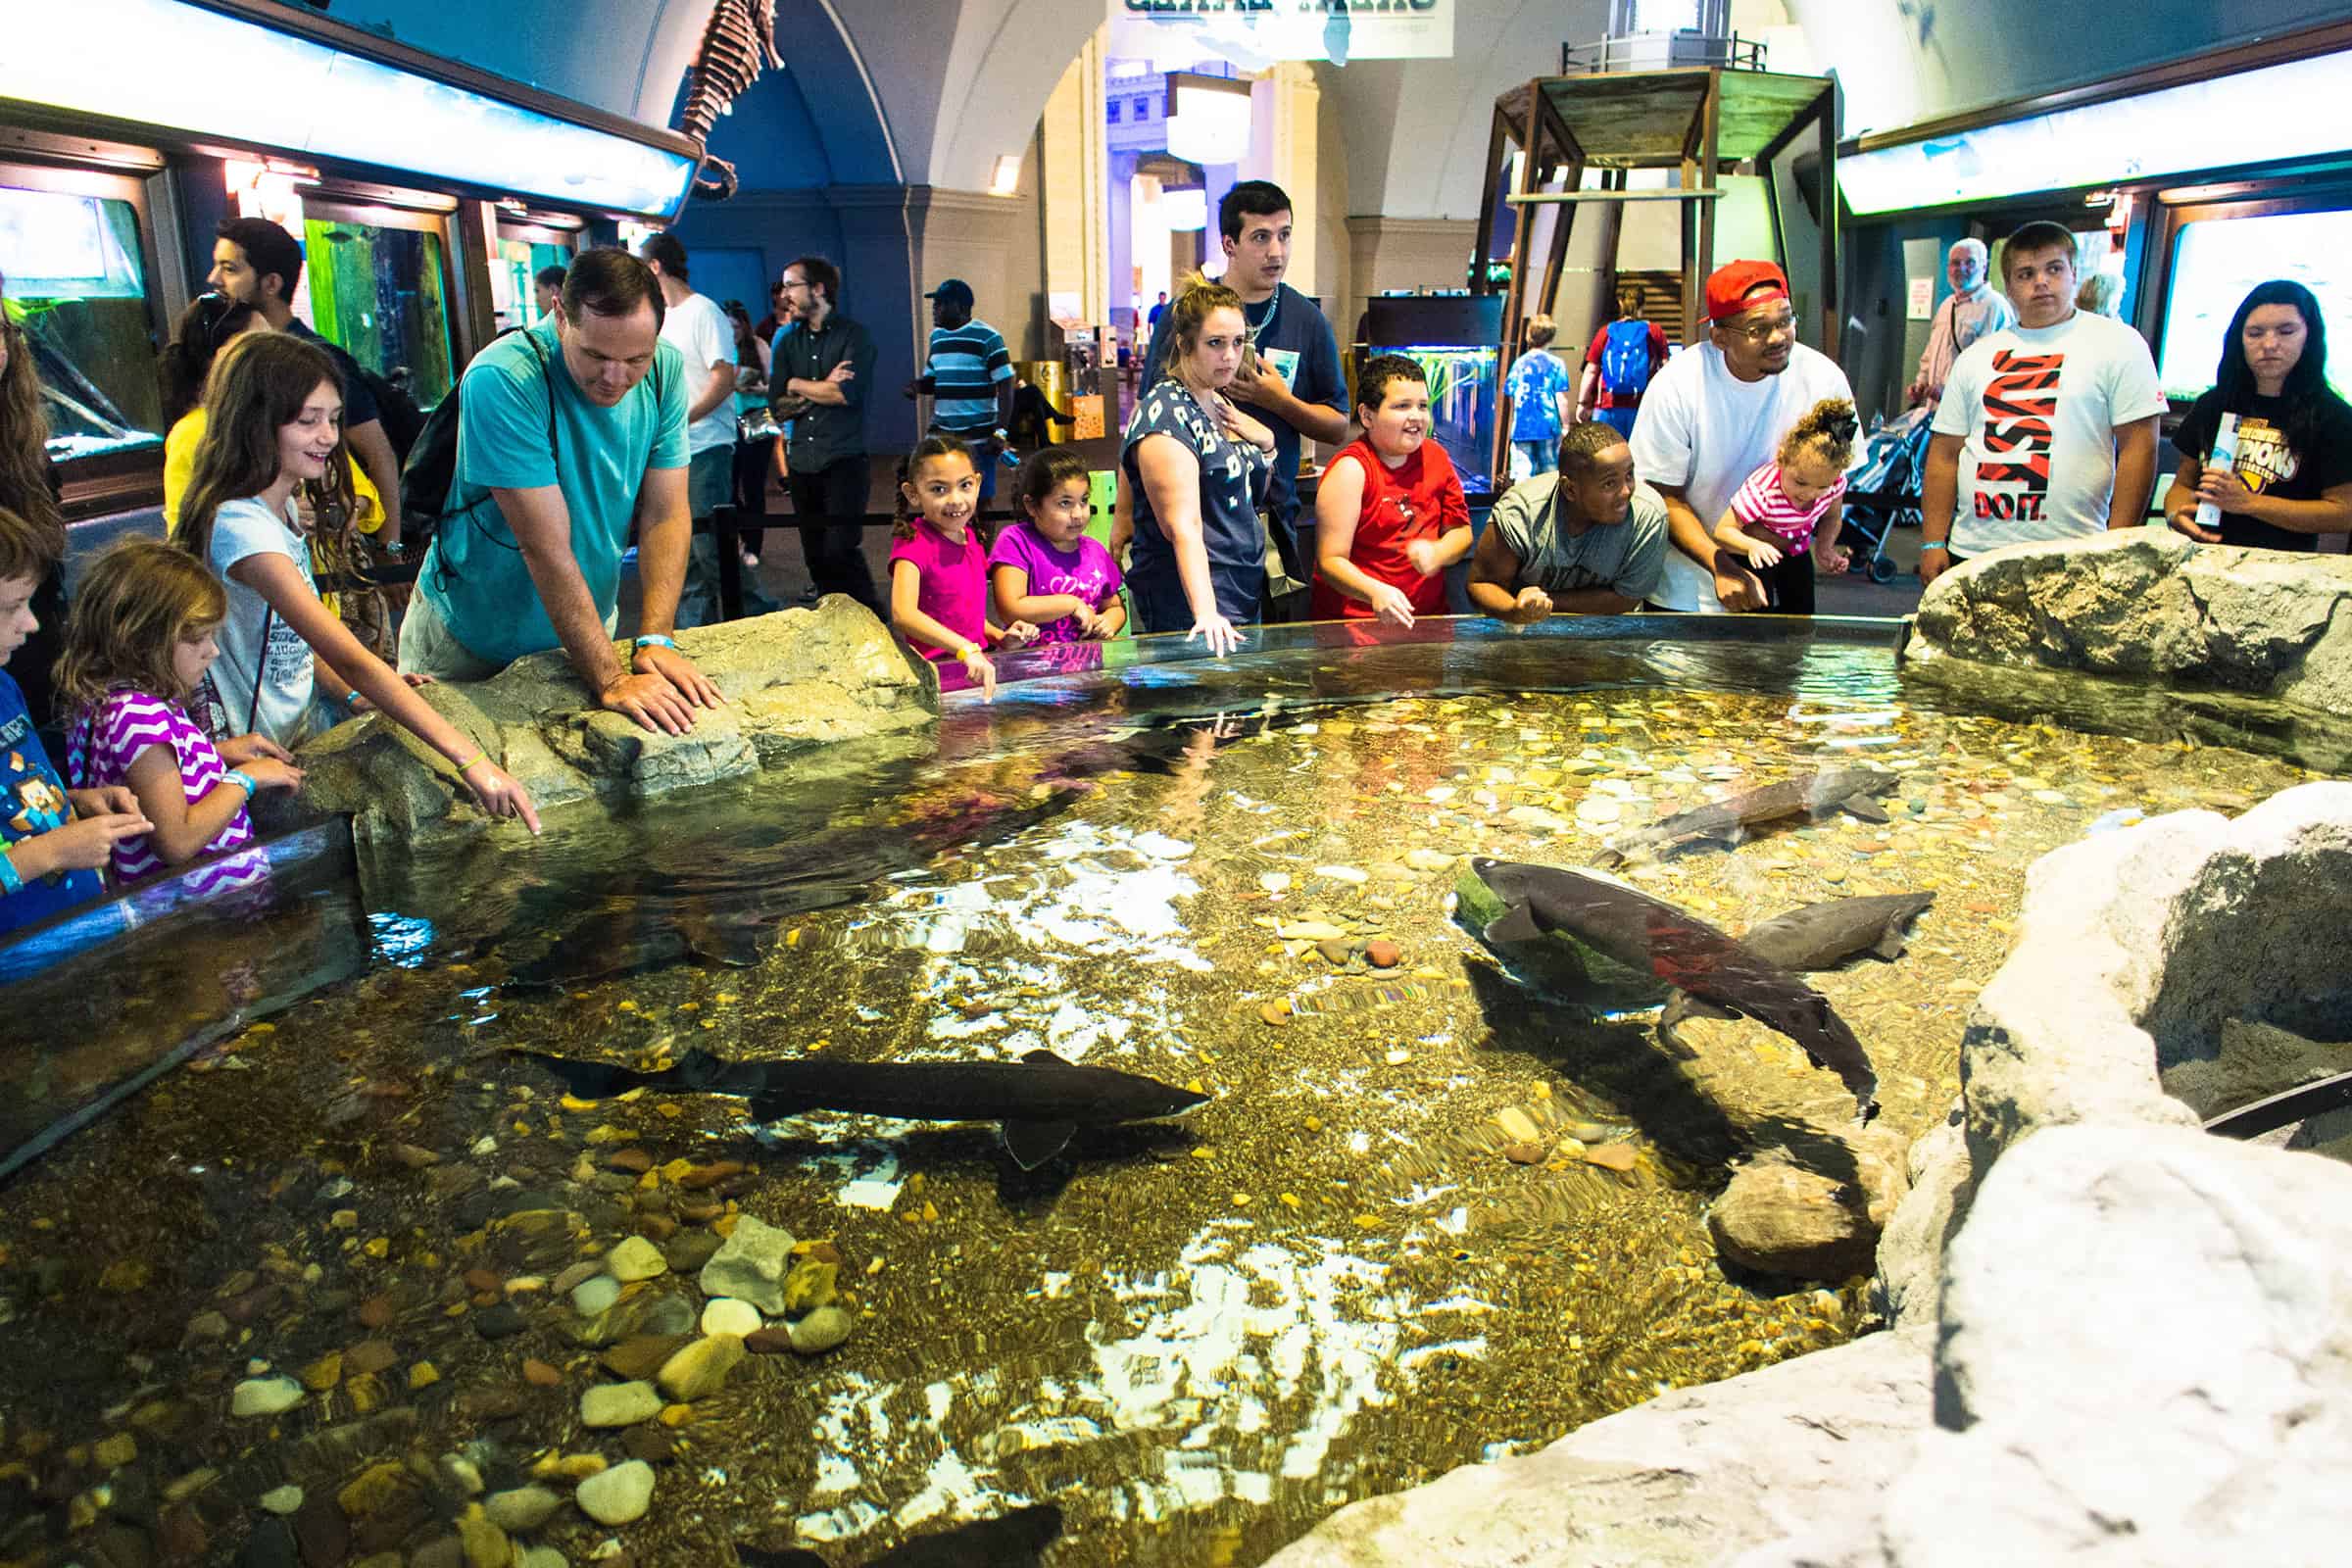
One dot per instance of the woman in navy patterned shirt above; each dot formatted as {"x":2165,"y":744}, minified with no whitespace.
{"x":1198,"y":467}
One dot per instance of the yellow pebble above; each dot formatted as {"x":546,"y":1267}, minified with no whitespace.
{"x":1291,"y":1199}
{"x":1367,"y":1221}
{"x":670,"y":1108}
{"x":723,"y":997}
{"x":676,"y":1416}
{"x":1314,"y":1124}
{"x":1205,"y":1154}
{"x":929,"y":1212}
{"x":381,"y":1246}
{"x":575,"y":1102}
{"x":792,"y":937}
{"x":422,"y":1376}
{"x":690,"y":1007}
{"x":627,"y":1006}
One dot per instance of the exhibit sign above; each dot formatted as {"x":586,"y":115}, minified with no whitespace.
{"x":1256,"y":33}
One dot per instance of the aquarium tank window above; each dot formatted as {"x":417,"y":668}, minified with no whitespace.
{"x":381,"y":295}
{"x":1461,"y":408}
{"x":77,"y":299}
{"x":2216,"y":261}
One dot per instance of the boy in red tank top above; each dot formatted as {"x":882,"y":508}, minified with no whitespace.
{"x":1390,"y":516}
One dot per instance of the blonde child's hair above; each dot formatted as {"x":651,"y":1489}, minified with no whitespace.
{"x":133,"y":608}
{"x":1831,"y":425}
{"x":1540,"y":330}
{"x":931,"y":446}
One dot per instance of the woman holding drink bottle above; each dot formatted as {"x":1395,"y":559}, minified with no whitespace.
{"x":2284,"y":436}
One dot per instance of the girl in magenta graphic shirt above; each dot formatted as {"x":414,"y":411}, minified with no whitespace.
{"x":939,"y":567}
{"x":1045,"y":571}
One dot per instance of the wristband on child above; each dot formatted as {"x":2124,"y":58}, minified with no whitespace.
{"x":656,"y":640}
{"x":10,"y":880}
{"x":353,"y":698}
{"x":475,"y":761}
{"x":244,"y":781}
{"x":1926,"y":545}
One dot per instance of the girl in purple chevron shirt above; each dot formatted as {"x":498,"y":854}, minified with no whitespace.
{"x":137,"y":647}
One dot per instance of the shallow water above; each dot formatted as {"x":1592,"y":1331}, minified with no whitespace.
{"x":1197,"y":1337}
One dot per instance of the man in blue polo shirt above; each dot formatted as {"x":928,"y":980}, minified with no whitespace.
{"x":563,"y":440}
{"x":1291,"y":378}
{"x":968,"y":378}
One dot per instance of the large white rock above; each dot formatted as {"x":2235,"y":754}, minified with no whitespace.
{"x":2146,"y":1357}
{"x":1693,"y":1477}
{"x":2134,"y":949}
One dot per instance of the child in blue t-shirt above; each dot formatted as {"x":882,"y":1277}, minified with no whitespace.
{"x":1538,"y":387}
{"x":52,"y":840}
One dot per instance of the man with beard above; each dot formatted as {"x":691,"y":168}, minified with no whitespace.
{"x":1714,"y":416}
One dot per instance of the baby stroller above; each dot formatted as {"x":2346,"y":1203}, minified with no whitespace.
{"x":1882,"y":492}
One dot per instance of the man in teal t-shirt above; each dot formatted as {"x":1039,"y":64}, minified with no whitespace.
{"x":530,"y":560}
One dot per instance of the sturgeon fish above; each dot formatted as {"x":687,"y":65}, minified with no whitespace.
{"x":1039,"y":1101}
{"x":1682,"y":949}
{"x":1814,"y":937}
{"x":1816,"y":795}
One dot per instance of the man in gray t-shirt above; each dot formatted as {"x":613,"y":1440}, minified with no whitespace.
{"x":1586,"y":540}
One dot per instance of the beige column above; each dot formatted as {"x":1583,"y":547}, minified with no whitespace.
{"x":1074,"y":186}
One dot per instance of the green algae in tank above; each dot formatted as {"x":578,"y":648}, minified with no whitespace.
{"x":1427,"y":1216}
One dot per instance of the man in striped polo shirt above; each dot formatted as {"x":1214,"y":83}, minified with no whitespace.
{"x":968,"y":378}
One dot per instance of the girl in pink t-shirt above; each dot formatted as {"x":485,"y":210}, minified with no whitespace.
{"x":939,"y":567}
{"x":1785,"y":517}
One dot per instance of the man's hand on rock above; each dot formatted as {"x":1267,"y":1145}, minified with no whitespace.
{"x":662,"y":692}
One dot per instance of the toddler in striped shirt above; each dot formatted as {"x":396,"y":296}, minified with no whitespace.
{"x":1785,"y":517}
{"x":138,"y":648}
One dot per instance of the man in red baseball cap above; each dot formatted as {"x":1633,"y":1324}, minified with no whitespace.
{"x":1715,"y":414}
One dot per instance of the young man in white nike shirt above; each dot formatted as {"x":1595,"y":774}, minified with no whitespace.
{"x":2047,"y":429}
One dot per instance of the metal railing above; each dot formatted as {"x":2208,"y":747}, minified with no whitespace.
{"x":1656,"y":51}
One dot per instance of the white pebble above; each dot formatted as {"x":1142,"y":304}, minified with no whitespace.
{"x":617,"y":1495}
{"x":265,"y":1396}
{"x":728,"y":1315}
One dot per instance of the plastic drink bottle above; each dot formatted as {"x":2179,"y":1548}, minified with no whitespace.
{"x":2224,"y":455}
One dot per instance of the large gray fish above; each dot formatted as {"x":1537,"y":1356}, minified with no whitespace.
{"x":1039,"y":1101}
{"x":1814,"y":937}
{"x":1682,"y":949}
{"x":1816,"y":795}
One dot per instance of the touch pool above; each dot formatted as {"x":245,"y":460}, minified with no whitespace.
{"x":1425,"y":1217}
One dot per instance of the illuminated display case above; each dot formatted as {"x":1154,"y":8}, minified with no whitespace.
{"x":1455,"y":339}
{"x":2217,"y":260}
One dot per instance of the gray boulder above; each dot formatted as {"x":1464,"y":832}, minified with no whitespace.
{"x":2147,"y":604}
{"x":752,"y":1266}
{"x":809,"y":692}
{"x":1693,"y":1477}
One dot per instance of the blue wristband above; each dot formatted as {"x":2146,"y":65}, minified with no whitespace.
{"x":11,"y":881}
{"x":244,"y":781}
{"x":656,"y":640}
{"x":351,"y":698}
